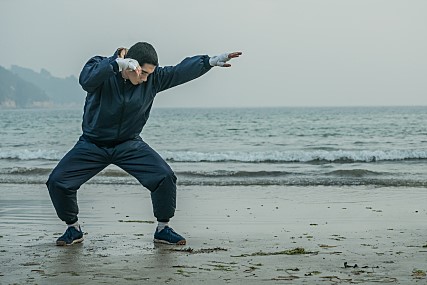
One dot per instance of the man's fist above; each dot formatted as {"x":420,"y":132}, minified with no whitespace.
{"x":127,"y":63}
{"x":221,"y":60}
{"x":121,"y":52}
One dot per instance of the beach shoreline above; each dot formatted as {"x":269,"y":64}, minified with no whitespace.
{"x":235,"y":235}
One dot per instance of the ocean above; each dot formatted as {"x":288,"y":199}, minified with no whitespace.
{"x":337,"y":146}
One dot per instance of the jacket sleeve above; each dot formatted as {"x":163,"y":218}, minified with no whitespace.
{"x":96,"y":71}
{"x":188,"y":69}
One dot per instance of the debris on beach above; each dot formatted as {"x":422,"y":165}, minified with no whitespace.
{"x":312,"y":273}
{"x":284,"y":278}
{"x":136,"y":221}
{"x":417,"y":273}
{"x":195,"y":251}
{"x":295,"y":251}
{"x":222,"y":267}
{"x":346,"y":265}
{"x":335,"y":279}
{"x":327,"y":246}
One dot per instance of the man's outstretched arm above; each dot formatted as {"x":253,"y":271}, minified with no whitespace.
{"x":189,"y":69}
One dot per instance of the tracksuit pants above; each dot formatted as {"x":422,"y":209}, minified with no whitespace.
{"x":134,"y":156}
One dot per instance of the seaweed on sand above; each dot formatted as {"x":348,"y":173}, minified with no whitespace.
{"x":294,"y":251}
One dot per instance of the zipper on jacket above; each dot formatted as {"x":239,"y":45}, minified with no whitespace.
{"x":122,"y":110}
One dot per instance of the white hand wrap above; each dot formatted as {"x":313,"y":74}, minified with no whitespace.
{"x":127,"y":63}
{"x":219,"y":60}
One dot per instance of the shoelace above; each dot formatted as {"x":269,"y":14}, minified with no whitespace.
{"x":172,"y":233}
{"x":69,"y":232}
{"x":169,"y":230}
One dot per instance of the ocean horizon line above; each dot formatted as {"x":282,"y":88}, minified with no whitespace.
{"x":80,"y":107}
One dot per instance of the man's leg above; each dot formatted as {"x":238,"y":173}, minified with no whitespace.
{"x":80,"y":164}
{"x":139,"y":160}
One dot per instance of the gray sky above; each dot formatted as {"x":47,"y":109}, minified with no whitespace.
{"x":295,"y":52}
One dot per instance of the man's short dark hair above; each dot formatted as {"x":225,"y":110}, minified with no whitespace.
{"x":144,"y":53}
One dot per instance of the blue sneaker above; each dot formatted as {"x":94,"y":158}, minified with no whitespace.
{"x":71,"y":236}
{"x":169,"y":236}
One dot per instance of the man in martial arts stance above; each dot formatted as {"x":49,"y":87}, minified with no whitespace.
{"x":120,"y":93}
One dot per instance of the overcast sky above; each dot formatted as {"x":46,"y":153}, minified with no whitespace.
{"x":295,"y":52}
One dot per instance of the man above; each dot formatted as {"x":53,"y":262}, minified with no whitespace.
{"x":120,"y":92}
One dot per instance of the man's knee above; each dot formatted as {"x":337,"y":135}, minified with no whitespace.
{"x":164,"y":178}
{"x":169,"y":174}
{"x":53,"y":180}
{"x":57,"y":182}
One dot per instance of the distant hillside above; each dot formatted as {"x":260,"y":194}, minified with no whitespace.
{"x":18,"y":93}
{"x":61,"y":91}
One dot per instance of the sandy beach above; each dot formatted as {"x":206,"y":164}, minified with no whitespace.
{"x":235,"y":235}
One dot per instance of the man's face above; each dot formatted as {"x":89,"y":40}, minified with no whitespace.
{"x":140,"y":74}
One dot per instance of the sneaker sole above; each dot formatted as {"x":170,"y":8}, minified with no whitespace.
{"x":181,"y":242}
{"x":63,"y":243}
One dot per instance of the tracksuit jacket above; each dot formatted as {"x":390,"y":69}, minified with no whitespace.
{"x":115,"y":109}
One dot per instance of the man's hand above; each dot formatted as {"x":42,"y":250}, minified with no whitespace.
{"x":127,"y":63}
{"x":221,"y":60}
{"x":121,"y":52}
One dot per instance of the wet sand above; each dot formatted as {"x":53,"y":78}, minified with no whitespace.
{"x":235,"y":235}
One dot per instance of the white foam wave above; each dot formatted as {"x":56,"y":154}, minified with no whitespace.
{"x":26,"y":154}
{"x":295,"y":156}
{"x":247,"y":156}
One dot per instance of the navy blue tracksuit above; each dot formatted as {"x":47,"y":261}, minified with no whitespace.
{"x":115,"y":112}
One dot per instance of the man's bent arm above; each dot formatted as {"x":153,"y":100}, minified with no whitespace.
{"x":96,"y":71}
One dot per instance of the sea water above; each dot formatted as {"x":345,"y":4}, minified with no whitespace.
{"x":378,"y":146}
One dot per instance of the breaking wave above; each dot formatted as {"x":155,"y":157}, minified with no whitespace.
{"x":296,"y":156}
{"x":354,"y":177}
{"x":26,"y":154}
{"x":317,"y":156}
